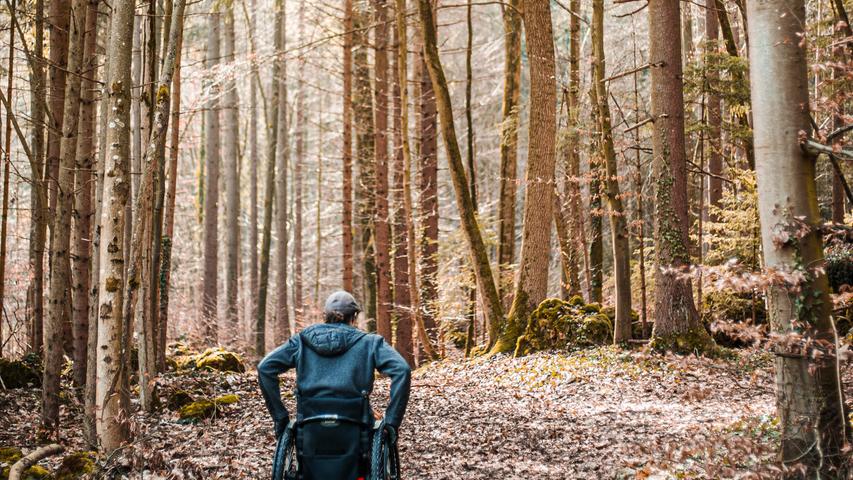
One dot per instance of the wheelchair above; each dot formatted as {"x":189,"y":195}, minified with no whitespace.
{"x":336,"y":439}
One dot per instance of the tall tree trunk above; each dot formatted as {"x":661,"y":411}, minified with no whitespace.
{"x":38,"y":195}
{"x":169,"y":214}
{"x":254,"y":161}
{"x":402,"y":160}
{"x":298,"y":295}
{"x":428,"y":202}
{"x":579,"y":252}
{"x":112,"y":399}
{"x":471,"y":312}
{"x":269,"y":194}
{"x":532,"y":279}
{"x":618,"y":219}
{"x":230,"y":149}
{"x":509,"y":145}
{"x":6,"y":163}
{"x":809,"y":398}
{"x":58,"y":301}
{"x":210,"y":280}
{"x":58,"y":18}
{"x":347,"y":225}
{"x":365,"y":148}
{"x":479,"y":257}
{"x":318,"y":257}
{"x":82,"y":232}
{"x":282,"y":316}
{"x":382,"y":226}
{"x":677,"y":324}
{"x":715,"y":159}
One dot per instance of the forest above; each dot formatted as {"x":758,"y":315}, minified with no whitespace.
{"x":611,"y":238}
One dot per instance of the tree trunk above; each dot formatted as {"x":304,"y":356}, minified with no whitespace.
{"x":715,"y":159}
{"x":509,"y":145}
{"x":471,"y":310}
{"x":618,"y":219}
{"x":365,"y":148}
{"x":579,"y":251}
{"x":677,"y":324}
{"x":6,"y":164}
{"x":532,"y":280}
{"x":38,"y":195}
{"x":58,"y":301}
{"x":82,"y":232}
{"x":269,"y":194}
{"x":230,"y":148}
{"x":254,"y":161}
{"x":809,"y":398}
{"x":428,"y":202}
{"x":402,"y":280}
{"x":58,"y":19}
{"x":209,"y":317}
{"x":479,"y":257}
{"x":298,"y":295}
{"x":112,"y":401}
{"x":282,"y":317}
{"x":347,"y":226}
{"x":382,"y":226}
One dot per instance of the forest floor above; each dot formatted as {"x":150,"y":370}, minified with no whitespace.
{"x":597,"y":413}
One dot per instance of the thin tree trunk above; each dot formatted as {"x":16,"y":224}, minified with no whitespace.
{"x":230,"y":148}
{"x":282,"y":315}
{"x":428,"y":203}
{"x":254,"y":161}
{"x":479,"y":257}
{"x":509,"y":145}
{"x":58,"y":301}
{"x":532,"y":279}
{"x":269,"y":194}
{"x":347,"y":225}
{"x":210,"y":281}
{"x":58,"y":18}
{"x":471,"y":312}
{"x":298,"y":295}
{"x":677,"y":324}
{"x":618,"y":218}
{"x":402,"y":281}
{"x":112,"y":399}
{"x":380,"y":194}
{"x":715,"y":159}
{"x":321,"y":130}
{"x":7,"y":162}
{"x":579,"y":252}
{"x":82,"y":232}
{"x":365,"y":148}
{"x":809,"y":398}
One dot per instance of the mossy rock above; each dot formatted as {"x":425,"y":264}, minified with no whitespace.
{"x":595,"y":330}
{"x":217,"y":358}
{"x":178,"y":399}
{"x":19,"y":374}
{"x":576,"y":301}
{"x":76,"y":465}
{"x":592,"y":308}
{"x":690,"y":342}
{"x":228,"y":399}
{"x":10,"y":455}
{"x":556,"y":324}
{"x":197,"y":410}
{"x":179,"y":348}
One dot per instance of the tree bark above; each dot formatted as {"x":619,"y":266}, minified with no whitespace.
{"x":382,"y":226}
{"x":210,"y":281}
{"x":428,"y":202}
{"x":347,"y":225}
{"x":282,"y":315}
{"x":479,"y":257}
{"x":509,"y":145}
{"x":714,"y":105}
{"x":677,"y":324}
{"x":58,"y":19}
{"x":809,"y":399}
{"x":58,"y":291}
{"x":112,"y":399}
{"x":254,"y":162}
{"x":230,"y":148}
{"x":6,"y":164}
{"x":578,"y":253}
{"x":532,"y":278}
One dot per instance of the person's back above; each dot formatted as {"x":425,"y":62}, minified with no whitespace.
{"x":335,"y":364}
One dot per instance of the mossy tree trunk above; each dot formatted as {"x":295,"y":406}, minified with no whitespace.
{"x":677,"y":324}
{"x":477,"y":249}
{"x":532,"y":280}
{"x":809,"y":399}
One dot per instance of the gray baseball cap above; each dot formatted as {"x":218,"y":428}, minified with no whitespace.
{"x":343,"y":303}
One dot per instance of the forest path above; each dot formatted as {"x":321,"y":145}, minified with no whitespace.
{"x":599,"y":413}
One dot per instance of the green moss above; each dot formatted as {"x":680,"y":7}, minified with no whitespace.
{"x":591,"y":308}
{"x":10,"y":455}
{"x":219,"y":359}
{"x":229,"y":399}
{"x":576,"y":301}
{"x":178,"y":399}
{"x":18,"y":374}
{"x":36,"y":472}
{"x":76,"y":465}
{"x":690,"y":342}
{"x":197,"y":410}
{"x":556,"y":324}
{"x":595,"y":330}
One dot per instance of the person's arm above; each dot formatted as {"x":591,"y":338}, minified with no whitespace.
{"x":390,"y":363}
{"x":277,"y":362}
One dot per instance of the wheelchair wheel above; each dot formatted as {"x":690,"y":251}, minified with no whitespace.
{"x":284,"y":465}
{"x":385,"y":461}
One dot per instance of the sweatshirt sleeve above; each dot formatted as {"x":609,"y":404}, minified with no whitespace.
{"x":391,"y":364}
{"x":274,"y":364}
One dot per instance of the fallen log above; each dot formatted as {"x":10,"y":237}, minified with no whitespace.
{"x":28,"y":461}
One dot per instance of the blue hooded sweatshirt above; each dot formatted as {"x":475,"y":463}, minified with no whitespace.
{"x":335,"y":360}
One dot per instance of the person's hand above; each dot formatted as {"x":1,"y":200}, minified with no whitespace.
{"x":281,"y":426}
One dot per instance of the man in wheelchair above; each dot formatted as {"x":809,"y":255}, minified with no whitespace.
{"x":334,"y":436}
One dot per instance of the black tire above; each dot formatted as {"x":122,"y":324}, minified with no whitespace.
{"x":385,"y":461}
{"x":284,"y":462}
